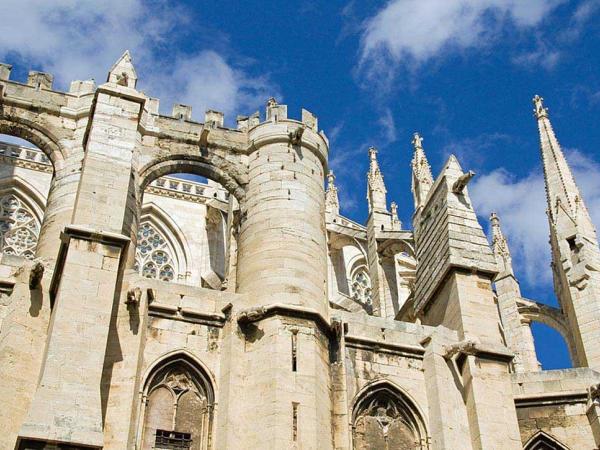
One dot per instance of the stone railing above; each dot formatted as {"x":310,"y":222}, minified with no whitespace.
{"x":31,"y":158}
{"x":187,"y":189}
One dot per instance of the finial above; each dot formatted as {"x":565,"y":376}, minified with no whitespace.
{"x":330,"y":179}
{"x":122,"y":72}
{"x":271,"y":102}
{"x":372,"y":153}
{"x":494,"y":219}
{"x":417,"y":141}
{"x":332,"y":203}
{"x":499,"y":243}
{"x":539,"y":110}
{"x":396,"y":224}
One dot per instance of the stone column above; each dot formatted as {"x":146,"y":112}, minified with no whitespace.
{"x":282,"y":270}
{"x":67,"y":406}
{"x":60,"y":205}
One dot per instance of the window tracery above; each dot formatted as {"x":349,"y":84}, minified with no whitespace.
{"x":361,"y":287}
{"x":19,"y":227}
{"x":383,"y":420}
{"x":153,"y":256}
{"x":178,"y":410}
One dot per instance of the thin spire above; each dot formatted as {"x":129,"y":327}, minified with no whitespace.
{"x":500,"y":246}
{"x":332,"y":203}
{"x":561,"y":190}
{"x":396,"y":224}
{"x":422,"y":180}
{"x":376,"y":191}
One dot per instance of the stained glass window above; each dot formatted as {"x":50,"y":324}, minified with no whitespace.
{"x":361,"y":287}
{"x":19,"y":228}
{"x":152,"y":257}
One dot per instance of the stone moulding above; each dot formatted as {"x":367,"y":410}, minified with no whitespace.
{"x":551,"y":398}
{"x":252,"y":315}
{"x":472,"y":348}
{"x":394,"y":348}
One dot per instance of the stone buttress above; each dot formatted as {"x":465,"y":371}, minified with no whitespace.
{"x":455,"y":270}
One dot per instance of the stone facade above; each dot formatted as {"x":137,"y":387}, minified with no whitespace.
{"x":143,"y":310}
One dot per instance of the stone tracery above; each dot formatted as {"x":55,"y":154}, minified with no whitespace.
{"x":178,"y":409}
{"x":385,"y":420}
{"x":361,"y":287}
{"x":153,"y":257}
{"x":19,"y":227}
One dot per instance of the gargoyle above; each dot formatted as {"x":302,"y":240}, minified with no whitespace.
{"x":296,"y":136}
{"x":134,"y":296}
{"x":35,"y":276}
{"x":459,"y":185}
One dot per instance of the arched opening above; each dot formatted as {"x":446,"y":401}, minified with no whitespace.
{"x":551,"y":347}
{"x":178,"y":405}
{"x":193,"y":239}
{"x":383,"y":417}
{"x":26,"y":175}
{"x":543,"y":441}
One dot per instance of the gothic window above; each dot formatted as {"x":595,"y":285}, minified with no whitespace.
{"x":153,"y":256}
{"x":178,"y":411}
{"x":19,"y":227}
{"x":361,"y":287}
{"x":383,"y":419}
{"x":543,"y":441}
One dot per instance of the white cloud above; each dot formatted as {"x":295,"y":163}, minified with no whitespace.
{"x":388,"y":127}
{"x":81,"y":39}
{"x":541,"y":56}
{"x":521,"y":205}
{"x":409,"y":32}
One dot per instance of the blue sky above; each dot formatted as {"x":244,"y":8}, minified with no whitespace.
{"x":461,"y":72}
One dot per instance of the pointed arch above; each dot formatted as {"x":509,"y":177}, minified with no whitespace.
{"x":22,"y":209}
{"x":178,"y":402}
{"x":157,"y":232}
{"x":383,"y":416}
{"x":543,"y":441}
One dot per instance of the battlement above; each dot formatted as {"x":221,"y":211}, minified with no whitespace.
{"x":123,"y":74}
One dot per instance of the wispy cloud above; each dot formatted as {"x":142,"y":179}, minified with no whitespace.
{"x":408,"y":33}
{"x":543,"y":55}
{"x":388,"y":126}
{"x":521,"y":205}
{"x":81,"y":39}
{"x":472,"y":151}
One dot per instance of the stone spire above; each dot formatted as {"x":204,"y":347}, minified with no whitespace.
{"x":396,"y":224}
{"x":376,"y":191}
{"x":561,"y":190}
{"x":500,"y":246}
{"x":422,"y":180}
{"x":332,"y":202}
{"x":575,"y":252}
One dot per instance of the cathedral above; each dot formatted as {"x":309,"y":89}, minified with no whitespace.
{"x":237,"y":308}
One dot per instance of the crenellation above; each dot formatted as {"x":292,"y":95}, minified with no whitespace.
{"x":214,"y":119}
{"x":5,"y":70}
{"x":40,"y":80}
{"x":182,"y":112}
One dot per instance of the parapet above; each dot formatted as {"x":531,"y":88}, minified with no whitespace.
{"x":121,"y":77}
